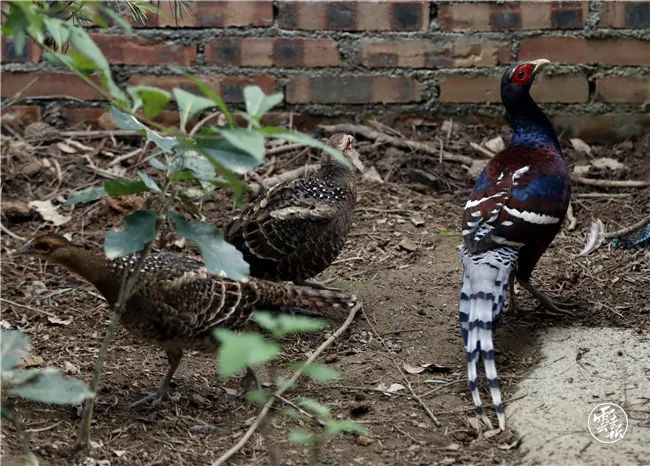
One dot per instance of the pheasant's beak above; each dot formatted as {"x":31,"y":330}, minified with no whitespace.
{"x":539,"y":64}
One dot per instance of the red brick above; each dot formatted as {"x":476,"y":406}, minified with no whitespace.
{"x":604,"y":128}
{"x":621,"y":89}
{"x":507,"y":16}
{"x":31,"y":52}
{"x":271,"y":51}
{"x":418,"y":53}
{"x":481,"y":89}
{"x":632,"y":15}
{"x":47,"y":84}
{"x":353,"y":90}
{"x":355,"y":15}
{"x":24,"y":113}
{"x":222,"y":13}
{"x":133,"y":50}
{"x":229,"y":87}
{"x":612,"y":51}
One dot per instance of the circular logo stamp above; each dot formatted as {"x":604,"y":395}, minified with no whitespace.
{"x":607,"y":423}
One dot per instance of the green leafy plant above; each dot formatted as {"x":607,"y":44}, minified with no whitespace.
{"x":44,"y":385}
{"x":195,"y":159}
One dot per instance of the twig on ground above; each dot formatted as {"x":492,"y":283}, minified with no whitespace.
{"x":203,"y":121}
{"x":300,"y":410}
{"x":256,"y":188}
{"x":608,"y":195}
{"x":481,"y":149}
{"x":416,"y":397}
{"x":16,"y":96}
{"x":98,"y":134}
{"x":631,"y":228}
{"x":10,"y":233}
{"x":121,"y":158}
{"x":296,"y":375}
{"x":282,"y":149}
{"x":610,"y":183}
{"x":572,"y":219}
{"x":30,"y":308}
{"x":395,"y":141}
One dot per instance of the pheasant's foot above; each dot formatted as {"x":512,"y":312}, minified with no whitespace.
{"x":552,"y":307}
{"x":152,"y":399}
{"x":250,"y":381}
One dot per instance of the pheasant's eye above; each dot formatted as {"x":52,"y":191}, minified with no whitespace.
{"x":522,"y":74}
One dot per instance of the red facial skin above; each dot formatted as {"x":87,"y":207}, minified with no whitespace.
{"x":522,"y":74}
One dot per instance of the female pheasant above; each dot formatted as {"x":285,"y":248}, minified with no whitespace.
{"x":297,"y":228}
{"x":177,"y":303}
{"x":516,"y":209}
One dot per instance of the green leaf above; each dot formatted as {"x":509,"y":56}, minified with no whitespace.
{"x":257,"y":397}
{"x":240,"y":350}
{"x":300,"y":138}
{"x":190,"y":104}
{"x":82,"y":41}
{"x":320,"y":372}
{"x":80,"y":62}
{"x":258,"y":103}
{"x":284,"y":324}
{"x":58,"y":30}
{"x":301,"y":437}
{"x":138,"y":230}
{"x":199,"y":165}
{"x":125,"y":121}
{"x":320,"y":410}
{"x":216,"y":98}
{"x":148,"y":182}
{"x":227,"y":155}
{"x":13,"y":347}
{"x":248,"y":140}
{"x":124,"y":187}
{"x":155,"y":163}
{"x":51,"y":387}
{"x":221,"y":258}
{"x":152,"y":99}
{"x":335,"y":427}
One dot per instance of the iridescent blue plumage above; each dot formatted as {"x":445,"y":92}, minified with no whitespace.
{"x":516,"y":208}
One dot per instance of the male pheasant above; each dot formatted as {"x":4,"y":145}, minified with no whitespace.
{"x":516,"y":209}
{"x":296,"y":229}
{"x":177,"y":303}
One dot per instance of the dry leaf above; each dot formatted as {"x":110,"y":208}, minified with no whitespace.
{"x":417,"y":220}
{"x":79,"y":145}
{"x":31,"y":360}
{"x":495,"y":144}
{"x":119,"y":453}
{"x":57,"y":321}
{"x":474,"y":422}
{"x":372,"y":175}
{"x":476,"y":168}
{"x":68,"y":149}
{"x":580,"y":145}
{"x":452,"y":446}
{"x":69,"y":368}
{"x":408,"y":245}
{"x":608,"y":163}
{"x":491,"y":433}
{"x":356,"y":161}
{"x":595,"y":238}
{"x":395,"y":387}
{"x":509,"y":446}
{"x":412,"y":369}
{"x":581,"y":170}
{"x":48,"y":211}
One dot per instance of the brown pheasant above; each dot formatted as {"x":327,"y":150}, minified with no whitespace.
{"x":177,"y":302}
{"x":296,"y":229}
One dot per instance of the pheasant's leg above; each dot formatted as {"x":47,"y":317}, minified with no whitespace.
{"x":250,"y":381}
{"x":512,"y":305}
{"x":548,"y":303}
{"x":315,"y":285}
{"x":174,"y":358}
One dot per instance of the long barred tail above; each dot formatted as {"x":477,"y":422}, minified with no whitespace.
{"x":483,"y":293}
{"x":284,"y":297}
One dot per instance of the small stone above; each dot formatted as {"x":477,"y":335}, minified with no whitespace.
{"x":364,"y":440}
{"x":408,"y":245}
{"x":417,"y":220}
{"x":197,"y":400}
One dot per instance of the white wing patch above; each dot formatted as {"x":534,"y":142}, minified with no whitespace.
{"x":532,"y":217}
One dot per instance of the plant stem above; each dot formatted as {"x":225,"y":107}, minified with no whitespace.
{"x":127,"y":288}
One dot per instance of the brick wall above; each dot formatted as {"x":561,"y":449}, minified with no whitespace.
{"x":358,"y":58}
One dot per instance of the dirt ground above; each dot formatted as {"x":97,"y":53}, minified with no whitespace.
{"x":401,"y":259}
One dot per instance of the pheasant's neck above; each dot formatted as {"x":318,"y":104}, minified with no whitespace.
{"x":530,"y":126}
{"x":92,"y":267}
{"x":335,"y":173}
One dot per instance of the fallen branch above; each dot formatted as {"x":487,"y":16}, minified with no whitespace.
{"x":11,"y":233}
{"x":610,"y":183}
{"x":98,"y":134}
{"x":256,"y":188}
{"x":630,"y":229}
{"x":482,"y":150}
{"x":296,"y":375}
{"x":571,"y":218}
{"x":376,"y":136}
